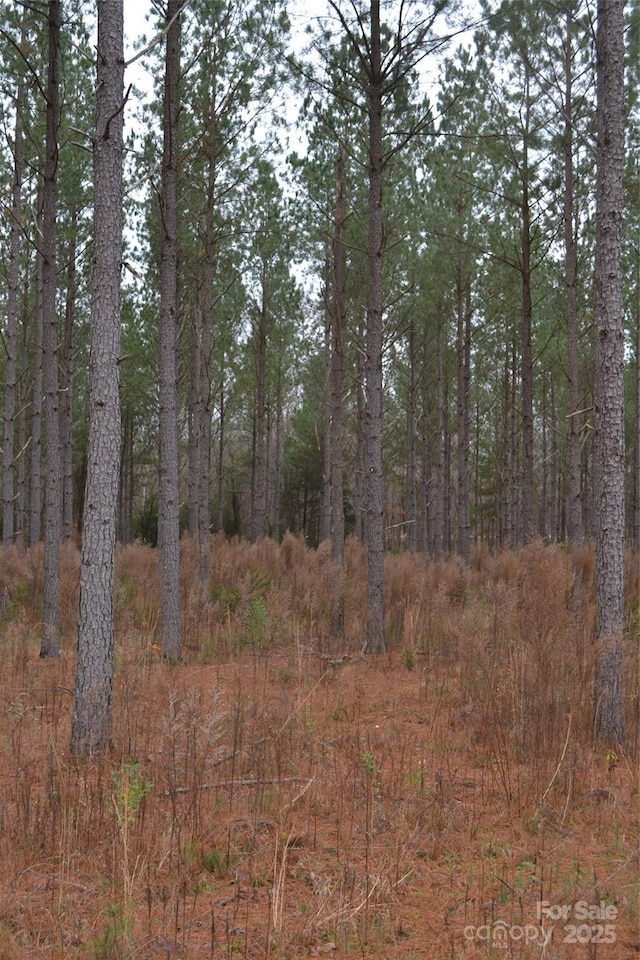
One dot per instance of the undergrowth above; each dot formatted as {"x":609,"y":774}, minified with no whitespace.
{"x":278,"y":795}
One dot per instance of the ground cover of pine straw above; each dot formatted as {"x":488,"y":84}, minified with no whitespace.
{"x":274,"y":795}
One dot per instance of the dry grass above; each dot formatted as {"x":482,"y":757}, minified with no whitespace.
{"x":276,"y":797}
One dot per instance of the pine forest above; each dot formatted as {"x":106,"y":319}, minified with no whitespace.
{"x":319,"y":576}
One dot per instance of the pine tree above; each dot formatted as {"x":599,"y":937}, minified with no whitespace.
{"x":169,"y":483}
{"x":93,"y":694}
{"x":50,"y":644}
{"x":11,"y":331}
{"x":608,"y":386}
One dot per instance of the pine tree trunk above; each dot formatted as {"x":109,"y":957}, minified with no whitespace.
{"x":267,"y":466}
{"x":554,"y":473}
{"x":448,"y":513}
{"x":609,"y":720}
{"x":125,"y":498}
{"x":169,"y":481}
{"x":411,"y":495}
{"x":325,"y":502}
{"x":22,"y":511}
{"x":336,"y":393}
{"x":375,"y":641}
{"x":527,"y":504}
{"x":204,"y":421}
{"x":205,"y":390}
{"x":11,"y":332}
{"x":424,"y":527}
{"x":35,"y":450}
{"x":438,"y":494}
{"x":92,"y":704}
{"x":221,"y":448}
{"x":479,"y":527}
{"x":360,"y":524}
{"x":259,"y":499}
{"x":463,"y":352}
{"x":278,"y":454}
{"x":194,"y":433}
{"x":503,"y":464}
{"x":636,"y":462}
{"x":543,"y":516}
{"x":50,"y":642}
{"x":514,"y":465}
{"x":66,"y":399}
{"x":574,"y":504}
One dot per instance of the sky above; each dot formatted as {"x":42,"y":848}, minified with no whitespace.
{"x":136,"y":26}
{"x":301,"y":13}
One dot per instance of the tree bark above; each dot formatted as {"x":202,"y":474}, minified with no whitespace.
{"x":169,"y":480}
{"x":438,"y":494}
{"x":259,"y":498}
{"x":480,"y":533}
{"x":221,"y":445}
{"x":411,"y":494}
{"x":22,"y":512}
{"x":554,"y":526}
{"x":424,"y":526}
{"x":50,"y":642}
{"x":92,"y":705}
{"x":463,"y":352}
{"x":35,"y":450}
{"x":636,"y":466}
{"x":609,"y":719}
{"x":278,"y":449}
{"x":205,"y":394}
{"x":325,"y":501}
{"x":543,"y":514}
{"x":447,"y":527}
{"x":125,"y":497}
{"x":527,"y":500}
{"x":515,"y":493}
{"x":337,"y":392}
{"x":205,"y":398}
{"x":375,"y":641}
{"x":66,"y":400}
{"x":360,"y":521}
{"x":11,"y":333}
{"x":193,"y":403}
{"x":574,"y":504}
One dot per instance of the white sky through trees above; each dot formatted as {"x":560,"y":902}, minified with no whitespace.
{"x":142,"y":27}
{"x":140,"y":23}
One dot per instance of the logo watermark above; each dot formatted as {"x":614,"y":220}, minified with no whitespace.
{"x":502,"y":934}
{"x":580,"y":922}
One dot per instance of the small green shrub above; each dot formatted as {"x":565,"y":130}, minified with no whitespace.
{"x":372,"y":769}
{"x":212,"y":861}
{"x":256,"y":621}
{"x":409,"y":659}
{"x":113,"y":944}
{"x":227,"y":599}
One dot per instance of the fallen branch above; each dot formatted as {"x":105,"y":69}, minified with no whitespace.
{"x":254,"y":782}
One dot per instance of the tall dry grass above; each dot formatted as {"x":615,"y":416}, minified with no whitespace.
{"x":517,"y":625}
{"x":276,"y":791}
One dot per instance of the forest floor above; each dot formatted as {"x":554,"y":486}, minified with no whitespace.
{"x":273,"y":796}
